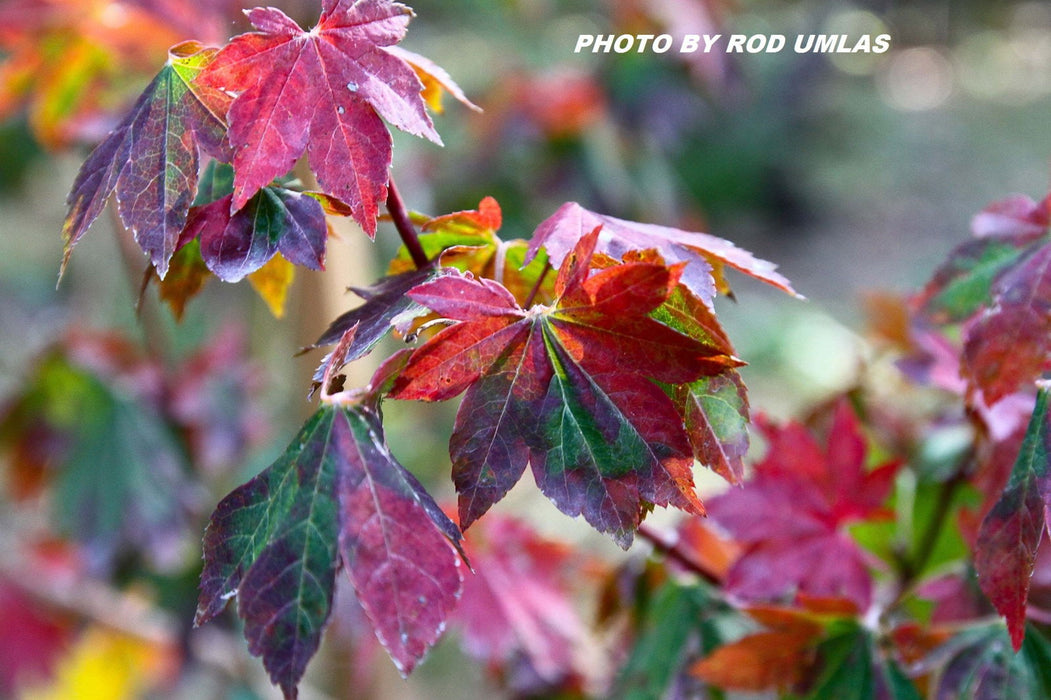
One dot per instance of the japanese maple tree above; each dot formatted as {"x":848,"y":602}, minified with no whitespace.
{"x":598,"y":381}
{"x":840,"y":561}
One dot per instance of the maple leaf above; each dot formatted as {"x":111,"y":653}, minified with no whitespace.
{"x":113,"y":461}
{"x":517,"y":606}
{"x":998,"y":287}
{"x":275,"y":220}
{"x":320,"y":92}
{"x":777,"y":657}
{"x":705,"y":255}
{"x":1005,"y":553}
{"x":387,"y":305}
{"x":715,"y":408}
{"x":151,"y":160}
{"x":1008,"y":344}
{"x":569,"y":388}
{"x":187,"y":275}
{"x":467,"y":241}
{"x":791,"y":516}
{"x":977,"y":663}
{"x":679,"y":623}
{"x":435,"y":80}
{"x":337,"y":497}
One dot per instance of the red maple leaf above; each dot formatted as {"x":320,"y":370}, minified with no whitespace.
{"x":517,"y":607}
{"x":568,"y":388}
{"x":705,"y":254}
{"x":998,"y":285}
{"x":791,"y":515}
{"x":1011,"y":532}
{"x":322,"y":92}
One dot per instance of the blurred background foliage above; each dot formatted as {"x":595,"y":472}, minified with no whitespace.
{"x":853,"y":172}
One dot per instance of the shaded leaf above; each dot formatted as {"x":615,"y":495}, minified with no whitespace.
{"x":1007,"y":345}
{"x":978,"y":663}
{"x":275,"y":220}
{"x":151,"y":160}
{"x":961,"y":286}
{"x":999,"y":288}
{"x":851,"y":666}
{"x":679,"y":624}
{"x":272,"y":282}
{"x":320,"y":92}
{"x":605,"y":441}
{"x":779,"y":657}
{"x":114,"y":463}
{"x":716,"y":412}
{"x":1010,"y":534}
{"x":187,"y":275}
{"x":792,"y":515}
{"x":336,"y":497}
{"x":1036,"y":652}
{"x":704,"y":254}
{"x":517,"y":608}
{"x":386,"y":302}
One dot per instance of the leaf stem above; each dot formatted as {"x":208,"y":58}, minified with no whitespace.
{"x":400,"y":216}
{"x":536,"y":285}
{"x":911,"y":566}
{"x":671,"y":548}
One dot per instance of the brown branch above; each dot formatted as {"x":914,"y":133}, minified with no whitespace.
{"x":400,"y":216}
{"x":671,"y":548}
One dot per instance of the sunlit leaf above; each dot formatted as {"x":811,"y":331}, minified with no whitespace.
{"x":321,"y":91}
{"x":604,"y":441}
{"x":151,"y":159}
{"x":703,"y":253}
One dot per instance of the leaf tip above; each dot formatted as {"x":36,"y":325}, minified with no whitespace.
{"x":1016,"y":628}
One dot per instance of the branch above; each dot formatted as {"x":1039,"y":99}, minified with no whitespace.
{"x":671,"y":548}
{"x":910,"y":567}
{"x":400,"y":216}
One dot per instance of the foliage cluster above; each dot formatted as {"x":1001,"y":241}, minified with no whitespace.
{"x":869,"y":551}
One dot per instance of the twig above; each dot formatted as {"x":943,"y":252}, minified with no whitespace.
{"x":400,"y":216}
{"x":671,"y":548}
{"x":910,"y":567}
